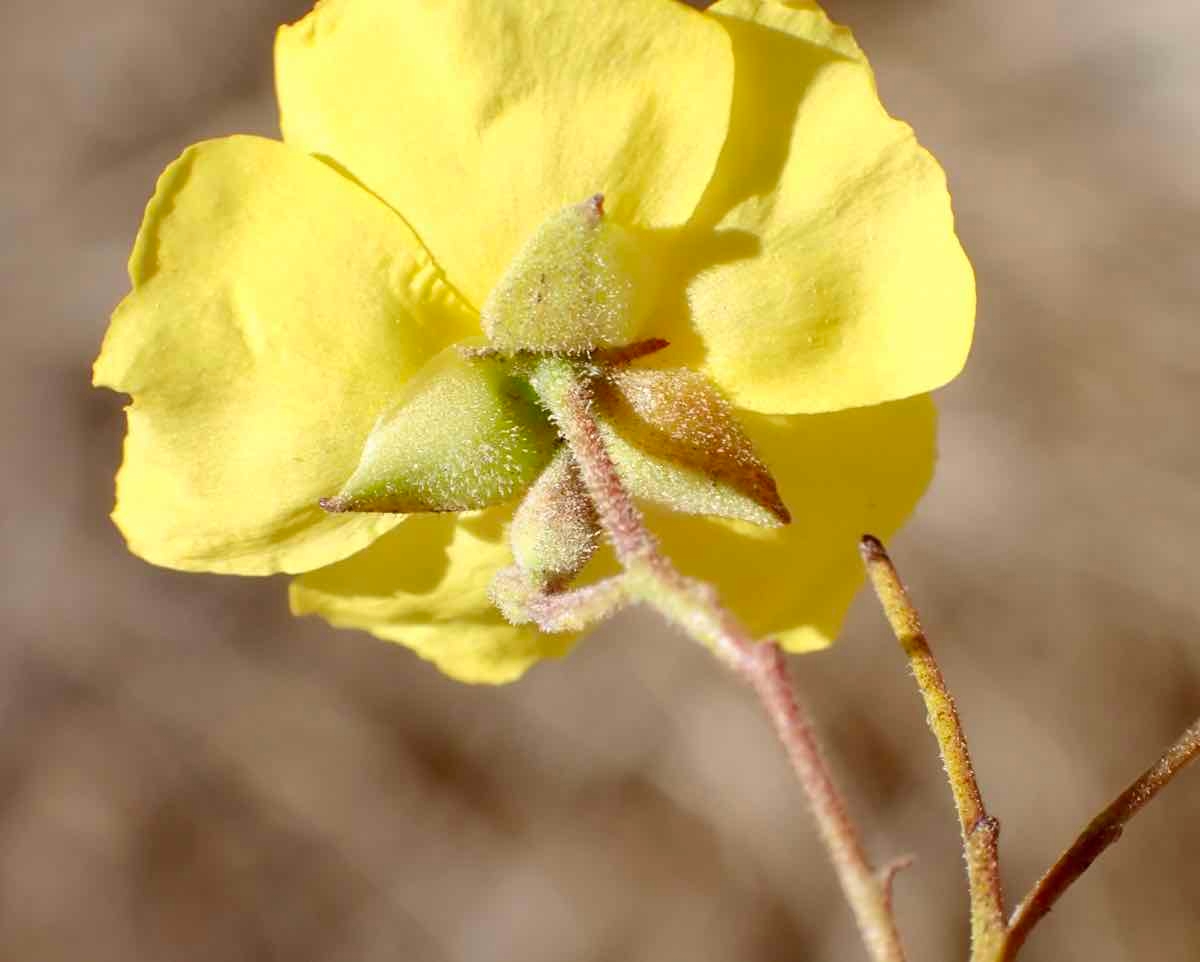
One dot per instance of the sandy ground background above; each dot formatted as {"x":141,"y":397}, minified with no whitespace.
{"x":187,"y":773}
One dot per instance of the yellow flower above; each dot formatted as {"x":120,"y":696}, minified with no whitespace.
{"x":283,"y":293}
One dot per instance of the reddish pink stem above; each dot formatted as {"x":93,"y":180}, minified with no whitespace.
{"x":653,"y":579}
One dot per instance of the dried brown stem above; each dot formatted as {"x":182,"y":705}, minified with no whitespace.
{"x":980,"y":831}
{"x":1101,"y":832}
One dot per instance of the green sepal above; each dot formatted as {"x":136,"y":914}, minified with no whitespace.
{"x":463,"y":435}
{"x":676,"y":441}
{"x":578,"y":284}
{"x":555,"y":531}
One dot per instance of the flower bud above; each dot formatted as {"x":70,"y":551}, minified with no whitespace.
{"x":577,"y":284}
{"x":463,"y":435}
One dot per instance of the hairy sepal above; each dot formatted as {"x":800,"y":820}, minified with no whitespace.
{"x":463,"y":435}
{"x":579,"y":284}
{"x":555,"y":530}
{"x":676,"y":441}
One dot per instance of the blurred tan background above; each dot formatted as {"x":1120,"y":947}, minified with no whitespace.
{"x":187,"y":773}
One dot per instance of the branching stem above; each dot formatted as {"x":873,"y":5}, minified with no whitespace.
{"x":1101,"y":832}
{"x":992,"y":939}
{"x":651,"y":578}
{"x":980,"y":831}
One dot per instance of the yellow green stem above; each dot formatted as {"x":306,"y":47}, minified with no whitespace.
{"x":651,"y":578}
{"x":980,"y":831}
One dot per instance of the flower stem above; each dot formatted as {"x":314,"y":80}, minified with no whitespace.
{"x":980,"y":831}
{"x":651,"y":578}
{"x":1100,"y":833}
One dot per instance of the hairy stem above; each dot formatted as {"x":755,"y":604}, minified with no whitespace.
{"x":1101,"y":832}
{"x":651,"y":578}
{"x":521,"y":601}
{"x":980,"y":831}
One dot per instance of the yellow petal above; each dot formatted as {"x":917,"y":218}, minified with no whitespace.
{"x":830,"y":274}
{"x":842,"y":475}
{"x":276,"y":310}
{"x":478,"y":121}
{"x":425,"y":585}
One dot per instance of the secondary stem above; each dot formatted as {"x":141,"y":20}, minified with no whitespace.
{"x":980,"y":831}
{"x":693,"y":606}
{"x":1102,"y":832}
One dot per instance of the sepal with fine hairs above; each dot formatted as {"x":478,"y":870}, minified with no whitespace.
{"x":676,"y":441}
{"x":463,"y":435}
